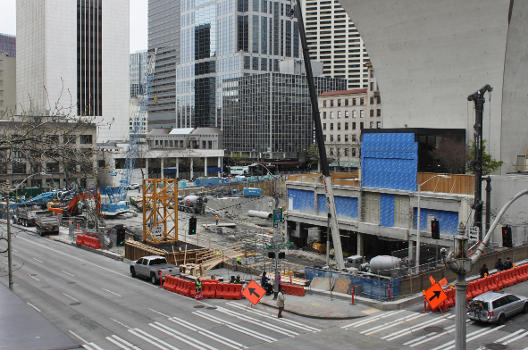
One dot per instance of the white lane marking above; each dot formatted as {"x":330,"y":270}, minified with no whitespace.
{"x":38,"y":260}
{"x":70,"y":297}
{"x":114,"y":293}
{"x":181,"y":337}
{"x":509,"y":336}
{"x":33,"y":277}
{"x":152,"y":339}
{"x":470,"y":336}
{"x":94,"y":346}
{"x":122,"y":343}
{"x":34,"y":307}
{"x":207,"y":333}
{"x":87,"y":347}
{"x":371,"y":319}
{"x":120,"y":323}
{"x":238,"y":328}
{"x":265,"y":314}
{"x":77,"y":336}
{"x":391,"y":324}
{"x":68,"y":273}
{"x":429,"y":338}
{"x":403,"y":332}
{"x":263,"y":324}
{"x":517,"y":337}
{"x":159,"y":313}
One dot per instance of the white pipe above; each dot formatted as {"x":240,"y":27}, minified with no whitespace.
{"x":260,"y":214}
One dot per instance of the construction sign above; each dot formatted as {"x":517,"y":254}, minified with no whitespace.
{"x":435,"y":295}
{"x":253,"y":292}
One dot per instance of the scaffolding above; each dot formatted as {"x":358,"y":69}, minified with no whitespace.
{"x":160,"y":211}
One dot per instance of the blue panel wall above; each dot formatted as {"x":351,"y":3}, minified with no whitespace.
{"x":389,"y":160}
{"x":302,"y":200}
{"x":321,"y":204}
{"x":346,"y":206}
{"x":448,"y":220}
{"x":387,"y":210}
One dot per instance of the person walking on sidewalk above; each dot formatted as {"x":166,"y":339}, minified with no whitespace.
{"x":217,"y":218}
{"x":280,"y":302}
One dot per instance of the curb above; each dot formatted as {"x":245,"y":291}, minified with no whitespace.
{"x":314,"y":316}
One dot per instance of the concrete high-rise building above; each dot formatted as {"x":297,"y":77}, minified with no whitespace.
{"x":72,"y":57}
{"x":137,"y":68}
{"x":269,"y":115}
{"x":334,"y":40}
{"x":7,"y":73}
{"x":226,"y":39}
{"x":164,"y":38}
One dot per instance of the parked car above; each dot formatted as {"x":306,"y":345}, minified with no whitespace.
{"x":152,"y":267}
{"x":493,"y":307}
{"x":133,"y":186}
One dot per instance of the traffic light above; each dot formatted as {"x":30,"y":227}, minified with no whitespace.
{"x":282,"y":255}
{"x":192,"y":225}
{"x":507,"y":236}
{"x":271,"y":255}
{"x":435,"y":229}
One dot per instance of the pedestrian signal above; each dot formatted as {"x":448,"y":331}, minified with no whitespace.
{"x":507,"y":240}
{"x":435,"y":229}
{"x":192,"y":225}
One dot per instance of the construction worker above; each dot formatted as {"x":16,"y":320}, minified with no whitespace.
{"x":198,"y":288}
{"x":217,"y":218}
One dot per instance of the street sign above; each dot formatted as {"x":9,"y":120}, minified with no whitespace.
{"x":282,"y":245}
{"x":277,"y":215}
{"x":157,"y":231}
{"x":435,"y":296}
{"x":253,"y":292}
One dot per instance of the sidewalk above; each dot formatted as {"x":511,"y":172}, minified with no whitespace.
{"x":321,"y":307}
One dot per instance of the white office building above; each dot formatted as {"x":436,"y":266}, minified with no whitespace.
{"x":334,"y":40}
{"x":72,"y":57}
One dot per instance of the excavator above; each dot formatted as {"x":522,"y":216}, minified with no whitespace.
{"x":72,"y":208}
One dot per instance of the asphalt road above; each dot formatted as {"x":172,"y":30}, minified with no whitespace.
{"x":93,"y":299}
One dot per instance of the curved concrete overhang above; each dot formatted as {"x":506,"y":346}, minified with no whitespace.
{"x":429,"y":55}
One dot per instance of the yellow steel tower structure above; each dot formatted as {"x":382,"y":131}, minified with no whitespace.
{"x":160,"y":210}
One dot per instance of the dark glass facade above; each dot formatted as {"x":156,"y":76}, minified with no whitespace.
{"x":226,"y":39}
{"x":89,"y":58}
{"x":8,"y":45}
{"x":164,"y":37}
{"x":271,"y":112}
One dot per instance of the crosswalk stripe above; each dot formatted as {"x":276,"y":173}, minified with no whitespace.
{"x":371,"y":319}
{"x":267,"y":315}
{"x":238,"y":328}
{"x":87,"y":347}
{"x":126,"y":344}
{"x":403,"y":332}
{"x":514,"y":339}
{"x":391,"y":324}
{"x":258,"y":323}
{"x":122,"y":346}
{"x":509,"y":335}
{"x":208,"y":334}
{"x":470,"y":336}
{"x":94,"y":346}
{"x":152,"y":339}
{"x":181,"y":337}
{"x":427,"y":339}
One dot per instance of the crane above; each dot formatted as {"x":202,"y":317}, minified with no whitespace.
{"x":117,"y":198}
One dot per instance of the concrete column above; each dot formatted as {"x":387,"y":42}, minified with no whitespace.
{"x":162,"y":168}
{"x":177,"y":167}
{"x":205,"y":166}
{"x":360,"y":244}
{"x":192,"y":170}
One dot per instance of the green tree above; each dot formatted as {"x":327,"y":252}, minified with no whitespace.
{"x":489,"y":164}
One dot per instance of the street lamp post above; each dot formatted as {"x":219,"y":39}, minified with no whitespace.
{"x":418,"y":223}
{"x":9,"y":257}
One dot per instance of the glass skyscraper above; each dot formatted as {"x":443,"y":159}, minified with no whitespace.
{"x":271,"y":113}
{"x":226,"y":39}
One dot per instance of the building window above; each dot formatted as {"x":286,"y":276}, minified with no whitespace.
{"x":338,"y":114}
{"x":331,"y":126}
{"x":378,"y":112}
{"x":361,"y":126}
{"x":331,"y":115}
{"x":362,"y":113}
{"x":354,"y":126}
{"x":324,"y":115}
{"x":338,"y":102}
{"x":361,"y":101}
{"x":346,"y":137}
{"x":346,"y":112}
{"x":371,"y":100}
{"x":338,"y":138}
{"x":324,"y":138}
{"x":346,"y":152}
{"x":371,"y":86}
{"x":331,"y":148}
{"x":324,"y":126}
{"x":331,"y":103}
{"x":353,"y":152}
{"x":324,"y":103}
{"x":346,"y":101}
{"x":338,"y":126}
{"x":354,"y":138}
{"x":378,"y":125}
{"x":354,"y":114}
{"x":346,"y":126}
{"x":353,"y":102}
{"x":372,"y":125}
{"x":86,"y":139}
{"x":331,"y":138}
{"x":371,"y":112}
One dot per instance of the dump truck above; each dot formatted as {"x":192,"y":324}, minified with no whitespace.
{"x":46,"y":223}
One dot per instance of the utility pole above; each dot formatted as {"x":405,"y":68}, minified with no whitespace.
{"x":478,"y":99}
{"x":9,"y":255}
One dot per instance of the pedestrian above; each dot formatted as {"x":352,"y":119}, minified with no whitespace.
{"x":280,"y":302}
{"x":483,"y":271}
{"x":499,"y":265}
{"x":508,"y":264}
{"x":264,"y":282}
{"x":217,"y":218}
{"x":237,"y":279}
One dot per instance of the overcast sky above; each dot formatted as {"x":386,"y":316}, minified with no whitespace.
{"x":138,"y":21}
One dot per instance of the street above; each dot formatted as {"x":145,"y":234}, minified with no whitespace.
{"x":94,"y":300}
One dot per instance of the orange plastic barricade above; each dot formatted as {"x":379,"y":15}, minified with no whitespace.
{"x":509,"y":279}
{"x":221,"y":291}
{"x":236,"y":292}
{"x":209,"y":289}
{"x":80,"y":240}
